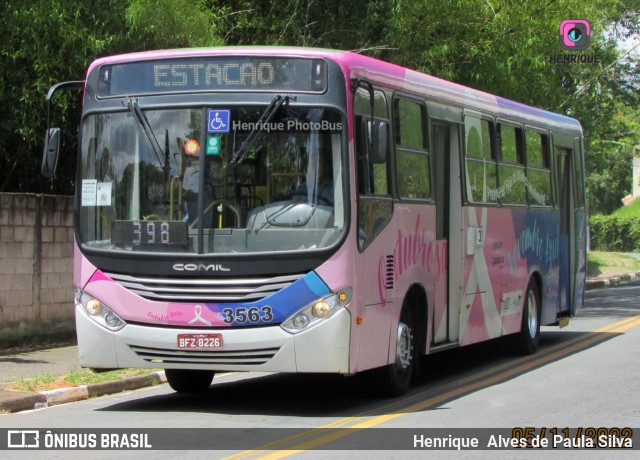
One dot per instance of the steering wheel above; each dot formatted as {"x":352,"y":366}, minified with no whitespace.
{"x":225,"y":205}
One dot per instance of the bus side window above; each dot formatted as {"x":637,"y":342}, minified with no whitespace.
{"x":379,"y":132}
{"x":374,"y":204}
{"x":364,"y":179}
{"x":413,"y":168}
{"x":372,"y":171}
{"x":538,"y":169}
{"x":481,"y":164}
{"x":512,"y":179}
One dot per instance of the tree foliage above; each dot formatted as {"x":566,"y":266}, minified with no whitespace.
{"x":352,"y":25}
{"x":500,"y":46}
{"x":155,"y":24}
{"x":49,"y":41}
{"x":610,"y":157}
{"x":44,"y":43}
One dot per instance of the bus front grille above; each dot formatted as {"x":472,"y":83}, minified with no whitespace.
{"x":217,"y":357}
{"x":218,"y":290}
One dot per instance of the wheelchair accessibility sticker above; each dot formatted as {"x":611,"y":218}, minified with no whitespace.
{"x":218,"y":121}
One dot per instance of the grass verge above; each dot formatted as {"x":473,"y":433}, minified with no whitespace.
{"x":45,"y":382}
{"x":610,"y":264}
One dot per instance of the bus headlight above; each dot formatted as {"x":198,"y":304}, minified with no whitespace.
{"x":317,"y":311}
{"x":99,"y":312}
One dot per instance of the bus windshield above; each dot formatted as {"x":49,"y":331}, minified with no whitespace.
{"x":211,"y":180}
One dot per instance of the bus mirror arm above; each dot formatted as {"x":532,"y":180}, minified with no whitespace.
{"x":52,"y":138}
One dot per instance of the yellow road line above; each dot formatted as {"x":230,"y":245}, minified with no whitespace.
{"x":463,"y":386}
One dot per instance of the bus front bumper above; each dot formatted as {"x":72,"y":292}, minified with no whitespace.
{"x":322,"y":348}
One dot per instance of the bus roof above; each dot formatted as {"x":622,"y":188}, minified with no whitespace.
{"x":383,"y":73}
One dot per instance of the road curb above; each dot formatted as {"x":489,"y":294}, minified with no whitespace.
{"x":612,"y":281}
{"x":19,"y":401}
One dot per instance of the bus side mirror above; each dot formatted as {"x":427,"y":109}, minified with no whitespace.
{"x":380,"y":142}
{"x":51,"y":152}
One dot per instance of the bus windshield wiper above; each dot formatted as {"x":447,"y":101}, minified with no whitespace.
{"x":267,"y":115}
{"x":143,"y":122}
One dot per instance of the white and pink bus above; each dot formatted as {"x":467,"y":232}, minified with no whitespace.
{"x":307,"y":210}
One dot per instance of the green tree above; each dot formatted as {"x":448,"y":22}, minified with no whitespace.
{"x":352,"y":25}
{"x":45,"y":42}
{"x":49,"y":41}
{"x":503,"y":47}
{"x":609,"y":176}
{"x":500,"y":46}
{"x":158,"y":24}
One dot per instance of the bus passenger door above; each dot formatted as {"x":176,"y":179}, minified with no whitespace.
{"x":448,"y":227}
{"x":375,"y":209}
{"x":580,"y":223}
{"x":567,"y":255}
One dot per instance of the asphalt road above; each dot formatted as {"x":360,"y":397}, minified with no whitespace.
{"x":24,"y":365}
{"x":583,"y":376}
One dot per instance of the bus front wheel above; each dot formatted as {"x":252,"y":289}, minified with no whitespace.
{"x":189,"y":380}
{"x":394,"y":379}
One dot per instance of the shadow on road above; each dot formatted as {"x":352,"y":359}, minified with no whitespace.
{"x":17,"y":360}
{"x":448,"y":376}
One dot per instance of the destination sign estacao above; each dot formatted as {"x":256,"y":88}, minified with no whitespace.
{"x":230,"y":74}
{"x":207,"y":74}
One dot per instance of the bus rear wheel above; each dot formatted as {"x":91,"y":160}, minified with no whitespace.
{"x":189,"y":380}
{"x":527,"y":339}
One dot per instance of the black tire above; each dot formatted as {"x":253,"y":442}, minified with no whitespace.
{"x":394,"y":379}
{"x":188,"y":380}
{"x":527,"y":340}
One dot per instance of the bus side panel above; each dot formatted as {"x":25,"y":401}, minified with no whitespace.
{"x":401,"y":256}
{"x":420,"y":263}
{"x":503,"y":248}
{"x":539,"y":243}
{"x":375,"y":298}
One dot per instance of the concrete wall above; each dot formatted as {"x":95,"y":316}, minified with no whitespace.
{"x":36,"y":266}
{"x":635,"y":185}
